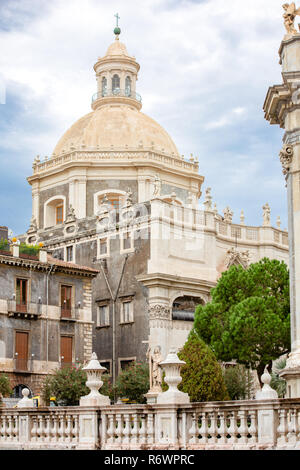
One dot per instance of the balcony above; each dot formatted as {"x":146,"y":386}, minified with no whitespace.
{"x":29,"y":310}
{"x":69,"y":314}
{"x":126,"y":96}
{"x":22,"y":366}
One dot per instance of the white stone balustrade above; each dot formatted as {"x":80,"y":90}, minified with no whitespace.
{"x":199,"y":426}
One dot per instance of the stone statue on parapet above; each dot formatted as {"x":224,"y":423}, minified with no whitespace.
{"x":290,"y":13}
{"x":157,"y":186}
{"x":266,"y":215}
{"x":155,"y":372}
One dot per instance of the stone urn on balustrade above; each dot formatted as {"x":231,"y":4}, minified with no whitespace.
{"x":94,"y":372}
{"x":172,"y":366}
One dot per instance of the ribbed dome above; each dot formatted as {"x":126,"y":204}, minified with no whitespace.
{"x":120,"y":126}
{"x":117,"y":48}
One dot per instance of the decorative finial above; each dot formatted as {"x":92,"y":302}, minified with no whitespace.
{"x":117,"y":29}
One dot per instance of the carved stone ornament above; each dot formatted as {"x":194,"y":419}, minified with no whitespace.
{"x":160,"y":312}
{"x":286,"y":157}
{"x":33,"y":226}
{"x":71,"y":217}
{"x":234,"y":257}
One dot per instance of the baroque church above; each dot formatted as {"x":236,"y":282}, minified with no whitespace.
{"x":117,"y":196}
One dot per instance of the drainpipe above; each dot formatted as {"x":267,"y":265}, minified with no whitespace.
{"x":114,"y":299}
{"x":47,"y":301}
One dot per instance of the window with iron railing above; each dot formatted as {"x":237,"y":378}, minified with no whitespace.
{"x":21,"y":295}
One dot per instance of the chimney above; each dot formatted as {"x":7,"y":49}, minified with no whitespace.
{"x":43,"y":255}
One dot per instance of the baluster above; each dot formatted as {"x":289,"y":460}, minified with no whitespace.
{"x":213,"y":428}
{"x":40,"y":435}
{"x":126,"y":430}
{"x":54,"y":432}
{"x":2,"y":428}
{"x":15,"y":428}
{"x":103,"y":430}
{"x":252,"y":430}
{"x":282,"y":428}
{"x":150,"y":428}
{"x":192,"y":431}
{"x":75,"y":432}
{"x":134,"y":431}
{"x":47,"y":429}
{"x":292,"y":427}
{"x":34,"y":428}
{"x":233,"y":428}
{"x":68,"y":428}
{"x":9,"y":428}
{"x":297,"y":425}
{"x":243,"y":429}
{"x":61,"y":427}
{"x":222,"y":428}
{"x":119,"y":428}
{"x":202,"y":432}
{"x":142,"y":439}
{"x":111,"y":430}
{"x":5,"y":424}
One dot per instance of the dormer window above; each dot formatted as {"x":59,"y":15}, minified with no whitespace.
{"x":115,"y":84}
{"x":104,"y":86}
{"x":128,"y":86}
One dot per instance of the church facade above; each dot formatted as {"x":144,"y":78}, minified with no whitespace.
{"x":117,"y":196}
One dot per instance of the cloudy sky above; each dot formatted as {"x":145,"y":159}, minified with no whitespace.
{"x":206,"y":66}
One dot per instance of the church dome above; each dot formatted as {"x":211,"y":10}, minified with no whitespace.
{"x":119,"y":126}
{"x":116,"y":120}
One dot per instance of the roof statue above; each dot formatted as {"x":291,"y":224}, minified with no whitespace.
{"x":290,"y":13}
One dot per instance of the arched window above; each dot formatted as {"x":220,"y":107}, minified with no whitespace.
{"x":54,"y":211}
{"x":128,"y":86}
{"x":111,"y":199}
{"x":115,"y":84}
{"x":104,"y":86}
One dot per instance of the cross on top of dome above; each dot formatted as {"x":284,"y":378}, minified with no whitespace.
{"x":117,"y":29}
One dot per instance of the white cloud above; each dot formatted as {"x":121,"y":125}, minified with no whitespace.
{"x":205,"y":69}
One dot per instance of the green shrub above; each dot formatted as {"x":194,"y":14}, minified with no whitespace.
{"x":238,"y":382}
{"x":67,"y":385}
{"x":133,"y":382}
{"x":5,"y":388}
{"x":202,"y":376}
{"x":29,"y":249}
{"x":4,"y":245}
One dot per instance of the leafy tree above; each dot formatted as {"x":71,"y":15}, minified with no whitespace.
{"x":5,"y":388}
{"x":202,"y":376}
{"x":67,"y":385}
{"x":238,"y":382}
{"x":133,"y":382}
{"x":248,"y":319}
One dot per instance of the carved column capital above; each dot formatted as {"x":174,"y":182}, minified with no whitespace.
{"x":159,"y":312}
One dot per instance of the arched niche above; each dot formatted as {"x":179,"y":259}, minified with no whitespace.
{"x":17,"y":391}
